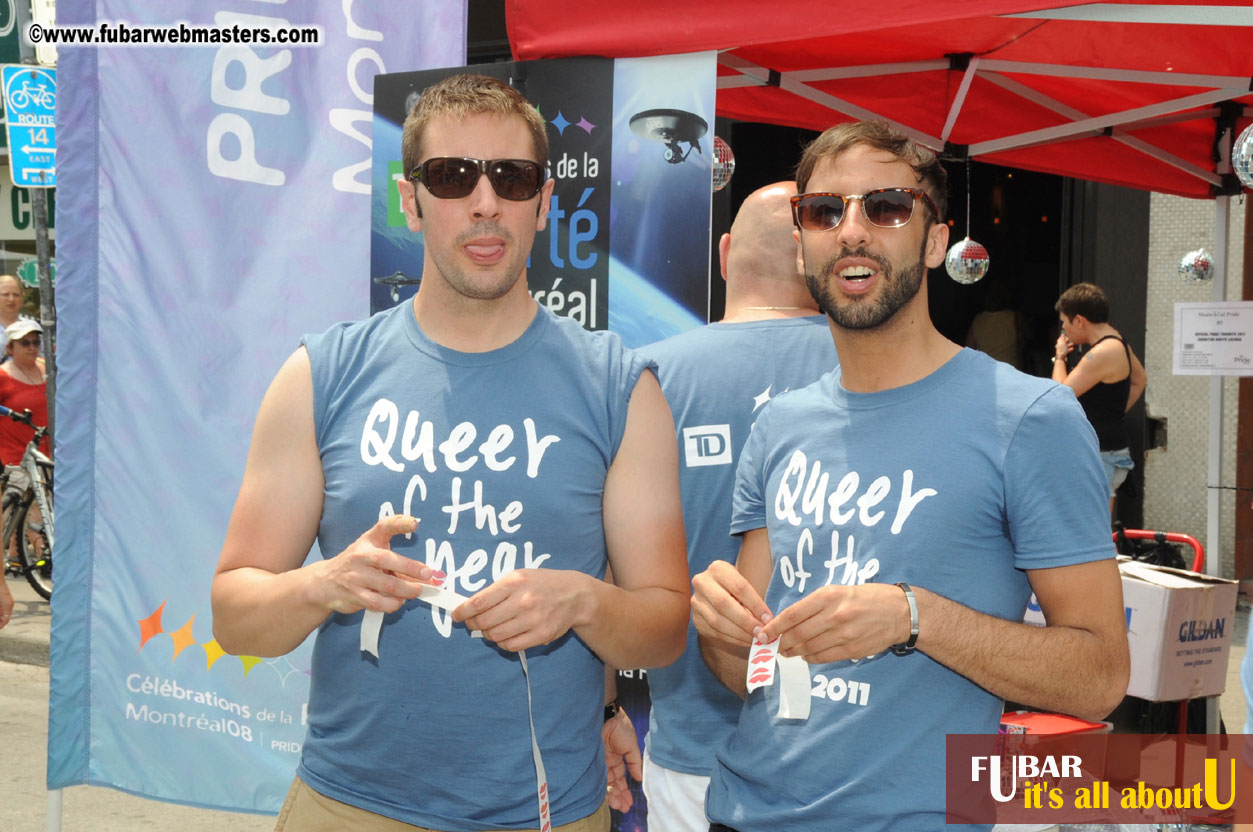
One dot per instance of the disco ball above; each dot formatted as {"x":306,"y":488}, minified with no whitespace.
{"x":967,"y":261}
{"x":1242,"y":157}
{"x":1197,"y":267}
{"x":724,"y":163}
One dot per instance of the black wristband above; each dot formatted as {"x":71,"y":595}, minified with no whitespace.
{"x":611,"y":710}
{"x":905,"y":648}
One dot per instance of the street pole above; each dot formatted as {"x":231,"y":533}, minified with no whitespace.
{"x":43,"y":256}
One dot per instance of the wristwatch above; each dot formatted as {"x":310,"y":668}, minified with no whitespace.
{"x":611,"y":710}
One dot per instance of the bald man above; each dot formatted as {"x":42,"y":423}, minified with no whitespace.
{"x":717,"y":379}
{"x":10,"y":307}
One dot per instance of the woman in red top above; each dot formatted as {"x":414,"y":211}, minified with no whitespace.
{"x":22,"y":387}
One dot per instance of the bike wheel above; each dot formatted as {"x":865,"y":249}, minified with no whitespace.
{"x":34,"y":550}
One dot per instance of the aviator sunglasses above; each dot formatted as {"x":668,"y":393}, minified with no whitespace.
{"x":452,"y":177}
{"x":884,"y":207}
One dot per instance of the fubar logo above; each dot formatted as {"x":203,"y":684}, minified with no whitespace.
{"x":707,"y":445}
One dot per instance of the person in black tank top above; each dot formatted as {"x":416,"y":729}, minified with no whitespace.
{"x":1108,"y":379}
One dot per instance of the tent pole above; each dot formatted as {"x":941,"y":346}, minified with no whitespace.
{"x":54,"y":811}
{"x":1213,"y":540}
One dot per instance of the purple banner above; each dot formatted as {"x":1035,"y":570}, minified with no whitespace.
{"x":215,"y":206}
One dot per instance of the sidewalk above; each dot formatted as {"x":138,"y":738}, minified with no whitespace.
{"x":25,"y":639}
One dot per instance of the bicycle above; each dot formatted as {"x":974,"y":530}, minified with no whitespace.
{"x":34,"y":539}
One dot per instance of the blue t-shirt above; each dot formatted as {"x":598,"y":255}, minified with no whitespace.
{"x":955,"y":483}
{"x":716,"y":380}
{"x":502,"y":455}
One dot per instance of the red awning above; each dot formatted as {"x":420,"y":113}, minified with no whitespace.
{"x":1143,"y":94}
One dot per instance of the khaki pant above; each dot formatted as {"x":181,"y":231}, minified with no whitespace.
{"x":306,"y":810}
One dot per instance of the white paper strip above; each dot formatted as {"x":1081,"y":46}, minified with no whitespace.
{"x":792,"y":673}
{"x":371,"y":624}
{"x":761,"y":660}
{"x":794,"y":687}
{"x":436,"y":596}
{"x":541,"y":778}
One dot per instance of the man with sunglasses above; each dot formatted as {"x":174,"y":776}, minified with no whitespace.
{"x":894,"y":518}
{"x":533,"y":453}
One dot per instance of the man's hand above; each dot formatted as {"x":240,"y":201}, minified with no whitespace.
{"x":369,"y":575}
{"x":529,"y":607}
{"x":725,"y":606}
{"x":622,"y":754}
{"x":836,"y":622}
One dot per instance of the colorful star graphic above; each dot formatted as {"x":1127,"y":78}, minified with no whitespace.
{"x":184,"y":636}
{"x":283,"y":667}
{"x":150,"y":626}
{"x":560,"y":123}
{"x":212,"y":653}
{"x":249,"y":662}
{"x":587,"y":126}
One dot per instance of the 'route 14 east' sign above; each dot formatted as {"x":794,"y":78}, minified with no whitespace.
{"x":30,"y":103}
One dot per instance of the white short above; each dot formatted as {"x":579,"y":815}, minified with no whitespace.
{"x":676,"y":801}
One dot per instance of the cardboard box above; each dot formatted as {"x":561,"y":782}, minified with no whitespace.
{"x":1179,"y":629}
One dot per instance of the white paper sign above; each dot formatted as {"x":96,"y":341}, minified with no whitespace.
{"x":1214,"y":339}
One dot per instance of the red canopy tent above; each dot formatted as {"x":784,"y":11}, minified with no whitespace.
{"x":1144,"y":94}
{"x":1148,"y":94}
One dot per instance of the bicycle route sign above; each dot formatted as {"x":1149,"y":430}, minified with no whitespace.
{"x":30,"y":105}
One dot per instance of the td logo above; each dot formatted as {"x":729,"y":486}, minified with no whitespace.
{"x":707,"y":445}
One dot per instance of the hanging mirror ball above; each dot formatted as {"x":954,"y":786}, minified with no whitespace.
{"x":724,"y":163}
{"x":1197,"y":267}
{"x":967,"y":261}
{"x":1242,"y":157}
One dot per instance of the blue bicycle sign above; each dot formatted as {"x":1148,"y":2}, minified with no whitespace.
{"x":30,"y":103}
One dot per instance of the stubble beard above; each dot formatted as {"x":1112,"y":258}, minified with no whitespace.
{"x":489,"y":284}
{"x":897,"y":289}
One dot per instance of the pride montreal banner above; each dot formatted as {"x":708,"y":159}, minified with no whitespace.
{"x":214,"y":206}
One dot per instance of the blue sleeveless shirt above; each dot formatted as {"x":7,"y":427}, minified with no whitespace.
{"x":502,"y":456}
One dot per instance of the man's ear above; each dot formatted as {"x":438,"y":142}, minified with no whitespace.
{"x":800,"y":252}
{"x":409,"y":204}
{"x":937,"y":244}
{"x":541,"y":210}
{"x":724,"y":250}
